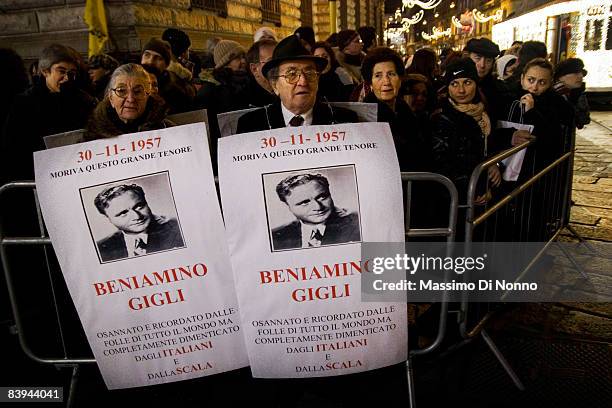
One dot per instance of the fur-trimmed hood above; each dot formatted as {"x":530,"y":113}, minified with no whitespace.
{"x":180,"y":70}
{"x":104,"y":122}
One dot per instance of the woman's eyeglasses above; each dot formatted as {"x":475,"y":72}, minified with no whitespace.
{"x":123,"y":92}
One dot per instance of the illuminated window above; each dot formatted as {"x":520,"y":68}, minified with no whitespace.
{"x":592,"y":34}
{"x":270,"y":11}
{"x":218,"y":6}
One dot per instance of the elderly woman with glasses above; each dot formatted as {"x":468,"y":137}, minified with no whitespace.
{"x":128,"y":106}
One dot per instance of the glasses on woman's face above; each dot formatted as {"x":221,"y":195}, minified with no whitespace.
{"x":122,"y":92}
{"x":63,"y":72}
{"x":292,"y":76}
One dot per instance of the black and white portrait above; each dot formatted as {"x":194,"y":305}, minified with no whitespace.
{"x":133,"y":217}
{"x":312,"y":208}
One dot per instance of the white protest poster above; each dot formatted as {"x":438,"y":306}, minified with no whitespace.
{"x":137,"y":229}
{"x":297,"y":203}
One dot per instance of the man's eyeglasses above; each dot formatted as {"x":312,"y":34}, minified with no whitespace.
{"x":71,"y":74}
{"x":123,"y":92}
{"x":293,"y":76}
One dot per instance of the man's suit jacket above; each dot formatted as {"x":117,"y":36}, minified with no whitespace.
{"x":162,"y":234}
{"x":340,"y":227}
{"x":272,"y":117}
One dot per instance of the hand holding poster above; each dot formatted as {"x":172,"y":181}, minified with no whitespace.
{"x":297,"y":203}
{"x":137,"y":229}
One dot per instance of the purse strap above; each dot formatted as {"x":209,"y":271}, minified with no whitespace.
{"x":521,"y":107}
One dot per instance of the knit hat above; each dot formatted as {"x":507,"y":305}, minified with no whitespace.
{"x":345,"y":37}
{"x":103,"y":61}
{"x":159,"y":46}
{"x":267,"y":31}
{"x":225,"y":51}
{"x":482,"y":46}
{"x":570,"y":66}
{"x":461,"y":68}
{"x":178,"y":39}
{"x":503,"y":62}
{"x":307,"y":34}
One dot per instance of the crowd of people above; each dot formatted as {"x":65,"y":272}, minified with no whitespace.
{"x":443,"y":110}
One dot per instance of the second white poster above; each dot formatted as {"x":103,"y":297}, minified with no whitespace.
{"x":297,"y":204}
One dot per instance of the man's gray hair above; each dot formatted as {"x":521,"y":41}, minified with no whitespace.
{"x":54,"y":54}
{"x":130,"y":70}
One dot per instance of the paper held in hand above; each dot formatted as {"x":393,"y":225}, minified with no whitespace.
{"x":297,"y":204}
{"x":142,"y":248}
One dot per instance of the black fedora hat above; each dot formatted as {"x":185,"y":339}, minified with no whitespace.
{"x":291,"y":48}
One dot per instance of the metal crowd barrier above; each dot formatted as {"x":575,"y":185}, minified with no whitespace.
{"x":541,"y":204}
{"x":449,"y":233}
{"x":67,"y":360}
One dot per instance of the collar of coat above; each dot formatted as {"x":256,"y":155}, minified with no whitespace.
{"x":104,"y":121}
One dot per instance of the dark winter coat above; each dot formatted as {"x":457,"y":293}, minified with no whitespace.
{"x":178,"y":93}
{"x":553,"y":121}
{"x":37,"y":113}
{"x":412,"y":146}
{"x":271,"y":117}
{"x":458,"y":145}
{"x":332,"y":88}
{"x":226,"y":91}
{"x":496,"y":95}
{"x":256,"y":95}
{"x":105,"y":123}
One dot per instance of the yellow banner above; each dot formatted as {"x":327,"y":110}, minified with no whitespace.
{"x":95,"y":17}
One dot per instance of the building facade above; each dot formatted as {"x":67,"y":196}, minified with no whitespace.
{"x":29,"y":25}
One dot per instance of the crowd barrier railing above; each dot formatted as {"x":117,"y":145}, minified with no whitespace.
{"x":66,"y":358}
{"x":449,"y":233}
{"x":541,"y":204}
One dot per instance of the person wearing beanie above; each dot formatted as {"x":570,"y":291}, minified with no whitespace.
{"x":265,"y":33}
{"x":350,"y":53}
{"x":307,"y":36}
{"x":569,"y":83}
{"x":225,"y":89}
{"x":156,"y":53}
{"x":179,"y":44}
{"x":460,"y":130}
{"x":100,"y":68}
{"x":176,"y":91}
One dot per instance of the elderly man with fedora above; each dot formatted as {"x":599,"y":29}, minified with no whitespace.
{"x":293,"y":74}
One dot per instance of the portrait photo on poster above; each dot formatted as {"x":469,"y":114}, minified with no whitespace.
{"x":132,"y":217}
{"x":311,"y":208}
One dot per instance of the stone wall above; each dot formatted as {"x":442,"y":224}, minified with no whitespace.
{"x":30,"y":25}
